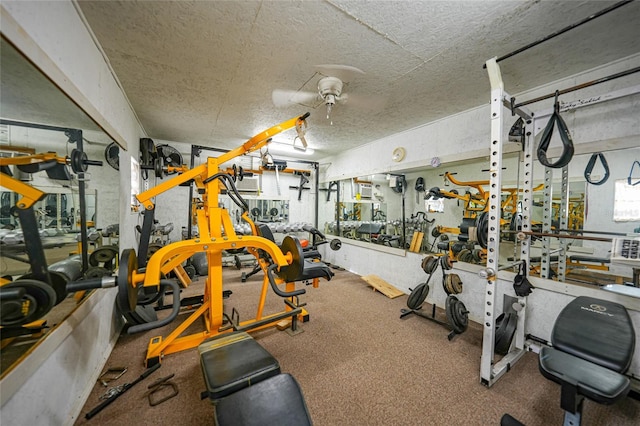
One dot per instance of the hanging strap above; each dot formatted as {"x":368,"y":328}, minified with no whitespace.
{"x":629,"y":179}
{"x":521,"y":284}
{"x":565,"y":137}
{"x":592,"y":163}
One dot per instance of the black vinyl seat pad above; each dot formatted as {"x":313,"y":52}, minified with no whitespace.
{"x":234,"y":361}
{"x":596,"y":383}
{"x":277,"y":401}
{"x":596,"y":330}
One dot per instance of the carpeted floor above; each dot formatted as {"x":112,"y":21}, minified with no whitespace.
{"x":358,"y":363}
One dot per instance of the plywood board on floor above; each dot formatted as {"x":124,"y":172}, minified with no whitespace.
{"x":382,"y":286}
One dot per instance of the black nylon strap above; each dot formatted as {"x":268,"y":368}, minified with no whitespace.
{"x":565,"y":137}
{"x":592,"y":163}
{"x":521,"y":284}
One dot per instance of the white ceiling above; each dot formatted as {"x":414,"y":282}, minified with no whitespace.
{"x":203,"y":71}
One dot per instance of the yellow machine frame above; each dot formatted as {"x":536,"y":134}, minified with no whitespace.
{"x":482,"y":198}
{"x":216,"y":233}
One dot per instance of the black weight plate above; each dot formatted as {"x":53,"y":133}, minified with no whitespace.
{"x":457,"y":314}
{"x":429,"y":264}
{"x":139,"y":315}
{"x":78,"y":161}
{"x":190,"y":270}
{"x":460,"y":316}
{"x":234,"y":175}
{"x":152,"y":249}
{"x":58,"y":283}
{"x":505,"y":329}
{"x":39,"y":294}
{"x":240,"y":174}
{"x":445,"y":285}
{"x":476,"y":255}
{"x":448,"y":309}
{"x":455,"y":283}
{"x":295,"y":269}
{"x":97,"y":272}
{"x":127,"y":293}
{"x":446,"y":263}
{"x":255,"y":211}
{"x":158,"y":166}
{"x":482,"y":225}
{"x":418,"y":296}
{"x":102,"y":255}
{"x":273,"y":211}
{"x":335,"y":244}
{"x":464,"y":255}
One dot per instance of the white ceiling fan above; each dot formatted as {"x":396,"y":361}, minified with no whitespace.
{"x":330,"y":91}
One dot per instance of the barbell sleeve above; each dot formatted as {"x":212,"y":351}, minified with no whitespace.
{"x":91,"y":283}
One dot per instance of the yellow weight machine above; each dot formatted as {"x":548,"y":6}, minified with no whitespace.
{"x":216,"y":233}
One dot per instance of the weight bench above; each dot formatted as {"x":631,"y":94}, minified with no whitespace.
{"x":307,"y":269}
{"x":372,"y":230}
{"x":245,"y":385}
{"x":593,"y":343}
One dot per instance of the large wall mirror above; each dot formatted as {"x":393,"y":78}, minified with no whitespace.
{"x":444,"y":204}
{"x":365,"y":208}
{"x":34,"y":114}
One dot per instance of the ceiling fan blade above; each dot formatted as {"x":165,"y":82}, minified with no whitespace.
{"x":283,"y":98}
{"x":344,"y":72}
{"x":364,"y":102}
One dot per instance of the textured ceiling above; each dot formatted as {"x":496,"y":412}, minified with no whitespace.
{"x":203,"y":71}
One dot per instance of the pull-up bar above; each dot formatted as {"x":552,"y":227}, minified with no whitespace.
{"x":562,"y":31}
{"x":574,"y":88}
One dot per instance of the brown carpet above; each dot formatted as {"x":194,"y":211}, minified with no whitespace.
{"x":357,"y":364}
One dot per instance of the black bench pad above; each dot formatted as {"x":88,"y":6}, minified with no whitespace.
{"x":313,"y":270}
{"x":596,"y":330}
{"x":369,"y":228}
{"x":234,"y":361}
{"x":592,"y":381}
{"x":277,"y":401}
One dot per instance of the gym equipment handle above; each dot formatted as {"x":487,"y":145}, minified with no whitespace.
{"x":125,"y":388}
{"x":275,"y":288}
{"x":174,"y":311}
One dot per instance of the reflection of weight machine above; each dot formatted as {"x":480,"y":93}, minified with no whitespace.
{"x":28,"y":299}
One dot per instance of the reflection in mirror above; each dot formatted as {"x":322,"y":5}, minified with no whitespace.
{"x":590,"y":221}
{"x":43,"y":201}
{"x":268,"y":210}
{"x":366,"y":208}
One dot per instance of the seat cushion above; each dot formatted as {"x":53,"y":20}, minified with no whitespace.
{"x":315,"y":270}
{"x":596,"y":330}
{"x":592,"y":381}
{"x":277,"y":401}
{"x":234,"y":361}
